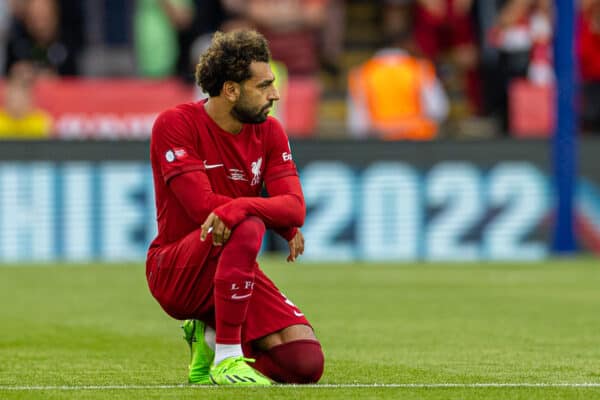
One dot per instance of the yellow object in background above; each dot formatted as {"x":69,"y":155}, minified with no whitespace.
{"x":35,"y":125}
{"x":19,"y":116}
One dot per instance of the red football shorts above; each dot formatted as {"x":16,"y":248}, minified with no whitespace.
{"x":181,"y":279}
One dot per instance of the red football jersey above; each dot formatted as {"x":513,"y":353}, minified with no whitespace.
{"x":186,"y":139}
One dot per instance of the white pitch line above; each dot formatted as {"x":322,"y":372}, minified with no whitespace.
{"x":315,"y":386}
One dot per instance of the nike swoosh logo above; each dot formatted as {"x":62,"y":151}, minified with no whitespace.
{"x":211,"y":166}
{"x":237,"y":297}
{"x":298,"y":314}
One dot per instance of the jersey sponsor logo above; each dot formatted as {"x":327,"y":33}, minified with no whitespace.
{"x":170,"y":156}
{"x":180,"y":153}
{"x":256,"y":171}
{"x":211,"y":166}
{"x":286,"y":156}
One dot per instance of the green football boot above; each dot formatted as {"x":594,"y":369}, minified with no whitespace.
{"x":235,"y":371}
{"x":202,"y":355}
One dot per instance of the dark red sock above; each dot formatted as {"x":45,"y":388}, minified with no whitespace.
{"x":234,"y":279}
{"x":299,"y":361}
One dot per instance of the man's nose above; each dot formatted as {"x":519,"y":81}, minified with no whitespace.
{"x":274,"y":94}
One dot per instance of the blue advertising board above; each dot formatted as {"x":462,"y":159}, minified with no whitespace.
{"x":362,"y":205}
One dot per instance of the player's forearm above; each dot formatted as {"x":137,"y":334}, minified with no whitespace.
{"x":286,"y":233}
{"x":282,"y":211}
{"x":284,"y":208}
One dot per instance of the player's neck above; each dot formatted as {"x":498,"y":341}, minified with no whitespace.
{"x":220,"y":113}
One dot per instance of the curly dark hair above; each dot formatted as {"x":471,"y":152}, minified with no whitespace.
{"x":228,"y":59}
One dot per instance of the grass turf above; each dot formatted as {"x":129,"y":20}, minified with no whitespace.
{"x":94,"y":326}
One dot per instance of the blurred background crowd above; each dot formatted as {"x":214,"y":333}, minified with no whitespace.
{"x":388,"y":69}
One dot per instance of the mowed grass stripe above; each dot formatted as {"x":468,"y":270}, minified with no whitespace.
{"x":311,"y":386}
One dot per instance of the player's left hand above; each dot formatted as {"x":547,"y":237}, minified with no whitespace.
{"x":220,"y":232}
{"x":296,"y":246}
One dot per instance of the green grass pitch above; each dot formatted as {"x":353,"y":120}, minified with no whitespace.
{"x":421,"y":331}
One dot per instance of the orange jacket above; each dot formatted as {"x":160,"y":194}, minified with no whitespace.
{"x":390,"y":86}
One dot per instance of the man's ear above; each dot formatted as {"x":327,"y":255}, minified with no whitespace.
{"x":231,"y":91}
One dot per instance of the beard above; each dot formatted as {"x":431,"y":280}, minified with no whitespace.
{"x":247,"y":114}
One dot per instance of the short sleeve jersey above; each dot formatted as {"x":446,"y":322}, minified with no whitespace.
{"x":186,"y":139}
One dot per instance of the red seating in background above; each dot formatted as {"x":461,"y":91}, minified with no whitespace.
{"x":301,"y":106}
{"x":126,"y":108}
{"x":108,"y":108}
{"x":110,"y":95}
{"x":531,"y":109}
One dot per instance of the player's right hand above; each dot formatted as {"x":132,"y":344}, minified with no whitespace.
{"x":220,"y":232}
